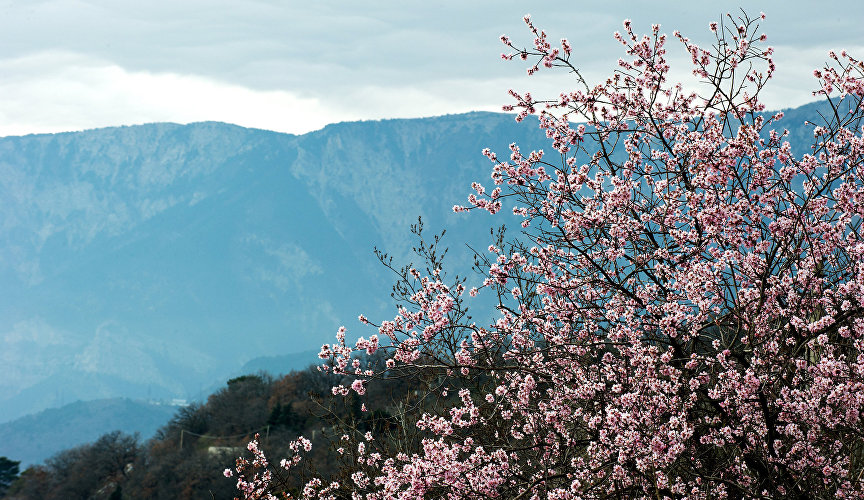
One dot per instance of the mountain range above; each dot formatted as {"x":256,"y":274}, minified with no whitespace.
{"x":33,"y":438}
{"x":155,"y":261}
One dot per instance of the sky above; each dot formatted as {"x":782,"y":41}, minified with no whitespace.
{"x":295,"y":66}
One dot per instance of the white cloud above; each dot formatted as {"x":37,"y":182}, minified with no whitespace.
{"x":295,"y":67}
{"x":794,"y":81}
{"x":62,"y":91}
{"x":59,"y":91}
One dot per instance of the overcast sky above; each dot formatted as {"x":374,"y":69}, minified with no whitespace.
{"x":295,"y":66}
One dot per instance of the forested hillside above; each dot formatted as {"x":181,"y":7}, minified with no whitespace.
{"x":186,"y":457}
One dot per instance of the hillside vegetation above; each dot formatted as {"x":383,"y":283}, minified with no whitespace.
{"x":186,"y":456}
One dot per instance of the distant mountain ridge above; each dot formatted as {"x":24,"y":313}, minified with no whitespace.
{"x":155,"y":260}
{"x":34,"y":438}
{"x":281,"y":364}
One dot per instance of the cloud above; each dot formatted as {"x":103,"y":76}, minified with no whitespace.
{"x":59,"y":91}
{"x":294,"y":67}
{"x":794,"y":82}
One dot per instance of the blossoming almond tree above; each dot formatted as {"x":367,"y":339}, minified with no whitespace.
{"x":682,"y":316}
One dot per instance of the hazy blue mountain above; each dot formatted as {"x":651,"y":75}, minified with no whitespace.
{"x":151,"y":261}
{"x":34,"y":438}
{"x":154,"y":261}
{"x":280,"y":364}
